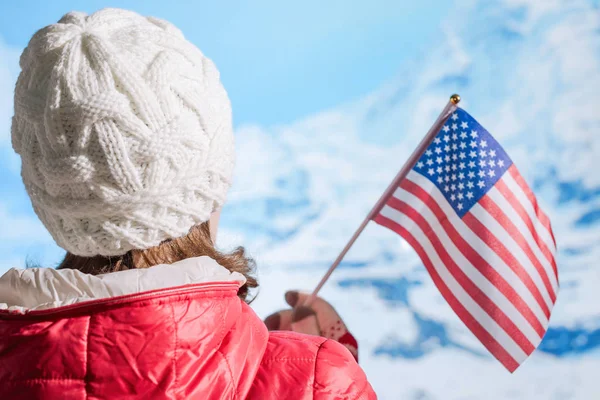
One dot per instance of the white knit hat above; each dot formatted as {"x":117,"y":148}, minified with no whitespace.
{"x":124,"y":131}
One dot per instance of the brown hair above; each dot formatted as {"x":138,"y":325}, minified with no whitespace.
{"x":196,"y":243}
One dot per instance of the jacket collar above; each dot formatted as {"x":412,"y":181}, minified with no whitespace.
{"x":23,"y":290}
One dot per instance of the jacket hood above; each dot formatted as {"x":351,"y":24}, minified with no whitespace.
{"x":23,"y":290}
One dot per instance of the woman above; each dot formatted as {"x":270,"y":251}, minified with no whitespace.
{"x":125,"y":136}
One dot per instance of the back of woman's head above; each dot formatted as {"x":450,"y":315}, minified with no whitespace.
{"x":125,"y":136}
{"x":197,"y":242}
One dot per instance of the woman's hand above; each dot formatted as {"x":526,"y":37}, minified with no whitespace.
{"x":319,"y":319}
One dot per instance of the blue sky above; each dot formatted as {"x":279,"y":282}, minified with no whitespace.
{"x":279,"y":60}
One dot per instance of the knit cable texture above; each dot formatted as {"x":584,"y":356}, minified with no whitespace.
{"x":124,"y":132}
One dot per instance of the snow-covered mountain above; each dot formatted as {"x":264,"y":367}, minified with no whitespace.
{"x":529,"y":71}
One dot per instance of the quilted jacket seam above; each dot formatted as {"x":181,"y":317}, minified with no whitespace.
{"x":41,"y":380}
{"x":174,"y":357}
{"x":87,"y":356}
{"x":289,"y":359}
{"x":362,"y":392}
{"x":222,"y":335}
{"x":314,"y":382}
{"x":287,"y":336}
{"x":234,"y":393}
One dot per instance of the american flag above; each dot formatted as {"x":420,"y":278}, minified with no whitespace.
{"x":480,"y":233}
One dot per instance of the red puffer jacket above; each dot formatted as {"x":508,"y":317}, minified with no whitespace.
{"x":67,"y":335}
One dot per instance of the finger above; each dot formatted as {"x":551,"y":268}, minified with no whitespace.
{"x":304,"y":320}
{"x":285,"y":323}
{"x":325,"y":311}
{"x":295,"y":298}
{"x":272,"y":321}
{"x":291,"y":298}
{"x":279,"y":321}
{"x":300,"y":313}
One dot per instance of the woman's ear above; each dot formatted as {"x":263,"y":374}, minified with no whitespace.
{"x":214,"y":225}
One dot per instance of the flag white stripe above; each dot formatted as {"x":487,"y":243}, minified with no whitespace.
{"x":487,"y":287}
{"x":494,"y":226}
{"x":480,"y":246}
{"x":541,"y":230}
{"x":467,"y":302}
{"x":514,"y":217}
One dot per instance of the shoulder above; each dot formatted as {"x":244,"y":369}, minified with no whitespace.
{"x":338,"y":375}
{"x":305,"y":366}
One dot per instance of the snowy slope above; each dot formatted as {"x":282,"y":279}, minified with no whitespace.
{"x":529,"y":72}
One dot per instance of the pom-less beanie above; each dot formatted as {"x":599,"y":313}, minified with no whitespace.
{"x":124,"y":132}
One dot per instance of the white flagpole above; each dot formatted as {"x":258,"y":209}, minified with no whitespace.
{"x":410,"y":163}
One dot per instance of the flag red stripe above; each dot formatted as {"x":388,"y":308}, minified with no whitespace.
{"x":538,"y":211}
{"x":496,"y":245}
{"x":475,"y":258}
{"x":491,"y":207}
{"x":479,"y":331}
{"x":473,"y":290}
{"x":518,"y":207}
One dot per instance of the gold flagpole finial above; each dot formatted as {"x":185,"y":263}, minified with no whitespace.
{"x":455,"y":99}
